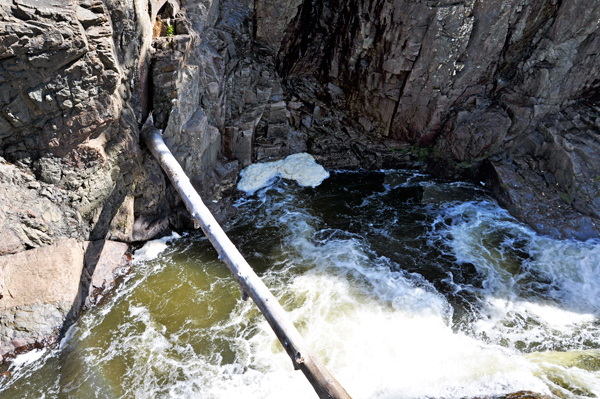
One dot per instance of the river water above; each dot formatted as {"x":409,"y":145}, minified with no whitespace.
{"x":406,"y":287}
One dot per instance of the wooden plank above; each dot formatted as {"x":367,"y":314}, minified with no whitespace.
{"x":251,"y":285}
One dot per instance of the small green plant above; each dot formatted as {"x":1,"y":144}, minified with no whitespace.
{"x":420,"y":152}
{"x":399,"y":151}
{"x":170,"y":30}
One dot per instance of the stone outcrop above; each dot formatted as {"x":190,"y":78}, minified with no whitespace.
{"x":33,"y":213}
{"x":43,"y":290}
{"x":104,"y":261}
{"x":551,"y":179}
{"x":70,"y":84}
{"x":39,"y":288}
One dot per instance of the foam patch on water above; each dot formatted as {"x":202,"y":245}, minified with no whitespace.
{"x":152,"y":249}
{"x":29,"y":357}
{"x":299,"y":167}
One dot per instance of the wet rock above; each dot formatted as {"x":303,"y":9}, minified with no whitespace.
{"x":550,"y":180}
{"x":522,"y":395}
{"x":527,"y":195}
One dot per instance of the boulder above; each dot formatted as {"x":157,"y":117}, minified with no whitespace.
{"x":44,"y":290}
{"x":40,"y":292}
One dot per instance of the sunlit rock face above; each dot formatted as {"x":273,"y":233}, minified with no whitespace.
{"x":71,"y":93}
{"x":72,"y":88}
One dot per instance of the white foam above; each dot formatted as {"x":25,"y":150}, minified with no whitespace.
{"x":537,"y":293}
{"x":153,"y":248}
{"x":28,"y":358}
{"x":299,"y":167}
{"x":485,"y":235}
{"x":577,"y":368}
{"x":387,"y":334}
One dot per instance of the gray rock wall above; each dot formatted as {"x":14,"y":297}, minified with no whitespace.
{"x":473,"y":82}
{"x":71,"y":94}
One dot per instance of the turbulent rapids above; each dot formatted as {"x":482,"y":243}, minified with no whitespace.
{"x":404,"y":286}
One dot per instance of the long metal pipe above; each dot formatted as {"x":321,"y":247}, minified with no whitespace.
{"x":251,"y":285}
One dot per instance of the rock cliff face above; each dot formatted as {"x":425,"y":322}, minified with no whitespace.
{"x":66,"y":72}
{"x":73,"y":85}
{"x":510,"y":85}
{"x":502,"y":91}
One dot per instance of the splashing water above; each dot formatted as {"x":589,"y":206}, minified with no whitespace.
{"x":404,"y":286}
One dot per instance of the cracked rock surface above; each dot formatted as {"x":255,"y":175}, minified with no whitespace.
{"x":508,"y":84}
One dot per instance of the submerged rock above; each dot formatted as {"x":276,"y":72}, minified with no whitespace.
{"x":524,"y":395}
